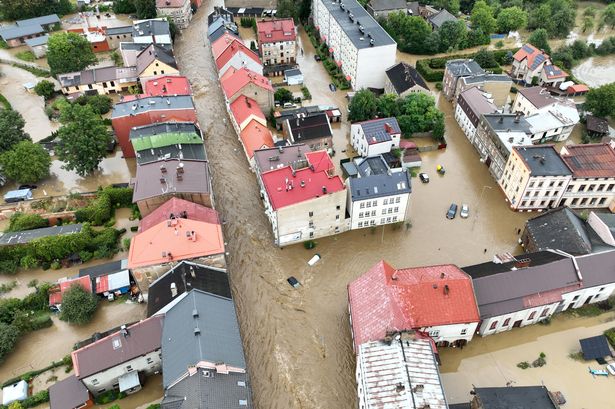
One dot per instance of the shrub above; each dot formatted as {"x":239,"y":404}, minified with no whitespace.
{"x":26,"y":221}
{"x":8,"y":266}
{"x":55,"y":265}
{"x":610,"y":335}
{"x":577,"y":356}
{"x":26,"y":56}
{"x":45,"y":89}
{"x":8,"y":339}
{"x":429,"y":74}
{"x":439,"y":85}
{"x":310,"y":244}
{"x":78,"y":305}
{"x":523,"y":365}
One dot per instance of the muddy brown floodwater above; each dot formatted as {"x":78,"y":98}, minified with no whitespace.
{"x":596,"y":71}
{"x":298,"y":341}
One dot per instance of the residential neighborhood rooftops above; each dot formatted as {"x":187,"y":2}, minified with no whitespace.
{"x":218,"y":46}
{"x":375,"y":180}
{"x":244,"y":108}
{"x":234,"y":48}
{"x":200,"y":327}
{"x":597,"y":269}
{"x":554,"y":72}
{"x":55,"y":294}
{"x":234,"y":80}
{"x":590,"y":161}
{"x":542,"y":160}
{"x":152,"y":180}
{"x":351,"y":28}
{"x":255,"y":136}
{"x":463,"y":67}
{"x":142,"y":105}
{"x":442,"y":17}
{"x":175,"y":240}
{"x":274,"y":31}
{"x":379,"y":130}
{"x":404,"y":76}
{"x":387,"y":299}
{"x":533,"y":55}
{"x":478,"y":101}
{"x":219,"y":28}
{"x":36,"y":41}
{"x":184,"y":132}
{"x":68,"y":393}
{"x":43,"y":21}
{"x":596,"y":124}
{"x":273,"y":158}
{"x":119,"y":30}
{"x":152,"y":53}
{"x":502,"y":266}
{"x":104,"y":269}
{"x":96,"y":75}
{"x":157,"y":28}
{"x":382,"y":5}
{"x":560,"y":229}
{"x":26,"y":236}
{"x":182,"y":278}
{"x":538,"y":96}
{"x":179,"y":208}
{"x":309,"y":127}
{"x":286,"y":186}
{"x":9,"y":33}
{"x":119,"y":347}
{"x":535,"y":397}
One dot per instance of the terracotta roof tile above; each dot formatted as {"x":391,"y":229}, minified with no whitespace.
{"x":273,"y":31}
{"x":244,"y":108}
{"x":177,"y":206}
{"x":590,"y":161}
{"x":234,"y":80}
{"x":234,"y":48}
{"x":255,"y":136}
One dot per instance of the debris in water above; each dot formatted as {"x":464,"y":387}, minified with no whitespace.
{"x":314,"y":259}
{"x":293,"y":281}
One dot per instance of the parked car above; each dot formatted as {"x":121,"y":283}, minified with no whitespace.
{"x":452,"y":211}
{"x":18,"y":195}
{"x":424,"y":177}
{"x":317,"y":57}
{"x":21,"y":187}
{"x":611,"y":369}
{"x":332,"y":87}
{"x":465,"y":211}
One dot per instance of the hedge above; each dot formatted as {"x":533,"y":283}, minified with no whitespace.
{"x":101,"y":209}
{"x":610,"y":335}
{"x":32,"y":401}
{"x":31,"y":374}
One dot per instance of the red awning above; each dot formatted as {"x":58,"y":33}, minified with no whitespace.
{"x":330,"y":49}
{"x":348,"y":78}
{"x":339,"y":63}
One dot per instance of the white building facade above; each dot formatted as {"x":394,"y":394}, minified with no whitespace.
{"x":375,"y":137}
{"x":180,"y":11}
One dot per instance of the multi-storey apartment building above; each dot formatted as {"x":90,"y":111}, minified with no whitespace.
{"x":471,"y":104}
{"x":180,"y":11}
{"x":358,"y":44}
{"x":456,"y":69}
{"x":277,"y":41}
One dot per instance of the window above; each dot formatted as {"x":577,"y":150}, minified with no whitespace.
{"x":362,"y":206}
{"x":390,"y":210}
{"x":532,"y":315}
{"x":540,"y":184}
{"x":337,"y":217}
{"x":397,"y":200}
{"x":388,"y":220}
{"x":129,"y":368}
{"x":337,"y":207}
{"x":101,"y":390}
{"x":150,"y":361}
{"x":396,"y":209}
{"x":372,"y":222}
{"x":375,"y":203}
{"x":382,"y":220}
{"x":369,"y":204}
{"x":360,"y":224}
{"x":551,"y":184}
{"x":506,"y":322}
{"x":531,"y":184}
{"x":384,"y":211}
{"x":385,"y":202}
{"x":311,"y":214}
{"x":582,"y":188}
{"x":311,"y":234}
{"x":434,"y":333}
{"x":464,"y":331}
{"x":373,"y":213}
{"x":494,"y":324}
{"x":95,"y":382}
{"x":544,"y":312}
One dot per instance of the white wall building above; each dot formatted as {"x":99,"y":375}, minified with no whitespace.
{"x":471,"y":104}
{"x":358,"y":44}
{"x":375,"y":137}
{"x":180,"y":11}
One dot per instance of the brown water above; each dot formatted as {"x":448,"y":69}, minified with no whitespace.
{"x":596,"y":71}
{"x":298,"y":341}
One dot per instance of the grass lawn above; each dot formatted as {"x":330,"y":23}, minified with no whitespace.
{"x":25,"y":56}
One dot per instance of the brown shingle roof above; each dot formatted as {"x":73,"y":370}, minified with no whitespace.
{"x":195,"y":178}
{"x":597,"y":124}
{"x":590,"y":161}
{"x":68,"y":393}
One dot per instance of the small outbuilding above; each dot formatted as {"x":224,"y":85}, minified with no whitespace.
{"x":596,"y":126}
{"x":595,"y":348}
{"x":293,"y":77}
{"x":15,"y":392}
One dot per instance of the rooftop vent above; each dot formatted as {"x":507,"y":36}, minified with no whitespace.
{"x":371,"y":42}
{"x":400,"y":387}
{"x":173,"y":289}
{"x":195,"y":313}
{"x":197,"y":331}
{"x":418,"y":388}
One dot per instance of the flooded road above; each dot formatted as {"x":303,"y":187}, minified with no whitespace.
{"x":596,"y":71}
{"x":298,"y":341}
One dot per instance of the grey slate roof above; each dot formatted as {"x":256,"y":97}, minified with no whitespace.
{"x":486,"y":78}
{"x":375,"y":132}
{"x":142,"y":105}
{"x":152,"y":27}
{"x":310,"y":127}
{"x":598,"y":268}
{"x":517,"y":397}
{"x":504,"y":122}
{"x":26,"y":236}
{"x":380,"y":5}
{"x":119,"y":30}
{"x":474,"y":103}
{"x":543,"y":160}
{"x":153,"y":52}
{"x":43,"y":21}
{"x":219,"y":32}
{"x":104,"y":269}
{"x":560,"y":229}
{"x":97,"y":75}
{"x":219,"y":391}
{"x":506,"y":288}
{"x":219,"y":339}
{"x":404,"y":76}
{"x":442,"y":17}
{"x":351,"y":28}
{"x":186,"y":152}
{"x":196,"y":179}
{"x":375,"y":181}
{"x":68,"y":393}
{"x":219,"y":13}
{"x":13,"y":32}
{"x":272,"y":158}
{"x":463,"y":68}
{"x":36,"y":41}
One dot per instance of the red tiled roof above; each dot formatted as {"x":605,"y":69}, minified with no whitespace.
{"x":234,"y":48}
{"x":175,"y":240}
{"x":320,"y":160}
{"x":255,"y":136}
{"x":573,"y":89}
{"x":590,"y":161}
{"x":243,"y":108}
{"x":283,"y":185}
{"x":167,"y":85}
{"x":531,"y":53}
{"x":235,"y":80}
{"x":176,"y":206}
{"x":385,"y":299}
{"x":272,"y":31}
{"x":218,"y":46}
{"x":55,"y":297}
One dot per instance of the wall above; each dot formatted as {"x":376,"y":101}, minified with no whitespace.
{"x":590,"y":295}
{"x":263,"y":97}
{"x":589,"y":193}
{"x":147,"y":206}
{"x":377,"y":213}
{"x":102,"y":88}
{"x":157,"y":68}
{"x":451,"y":333}
{"x":272,"y":54}
{"x":240,"y":60}
{"x":523,"y":104}
{"x":181,"y":16}
{"x":464,"y":122}
{"x":540,"y":312}
{"x":600,"y":228}
{"x":371,"y":63}
{"x":115,"y":40}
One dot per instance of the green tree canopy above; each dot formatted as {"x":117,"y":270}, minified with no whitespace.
{"x":601,"y":101}
{"x":540,"y":40}
{"x":124,"y":6}
{"x":555,"y":16}
{"x":451,"y":5}
{"x":511,"y":19}
{"x":8,"y":339}
{"x":25,"y":162}
{"x":482,"y":18}
{"x":363,"y":106}
{"x":288,"y":8}
{"x":78,"y":305}
{"x":410,"y":32}
{"x":68,"y":52}
{"x":145,"y":9}
{"x":283,"y":95}
{"x":26,"y":221}
{"x":485,"y":58}
{"x":11,"y":129}
{"x":608,"y":15}
{"x":101,"y":104}
{"x":83,"y":139}
{"x":45,"y":89}
{"x":452,"y":35}
{"x":22,"y":9}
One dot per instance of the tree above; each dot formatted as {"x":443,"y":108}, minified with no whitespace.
{"x":590,"y":12}
{"x":22,"y":9}
{"x":287,"y":8}
{"x":26,"y":221}
{"x":539,"y":17}
{"x":16,"y":405}
{"x":608,"y":15}
{"x":601,"y":101}
{"x":485,"y":58}
{"x":482,"y":18}
{"x":26,"y":162}
{"x":124,"y":7}
{"x":418,"y":113}
{"x":8,"y":338}
{"x":540,"y":40}
{"x":45,"y":89}
{"x":83,"y":139}
{"x":100,"y":104}
{"x":145,"y":9}
{"x":388,"y":105}
{"x":588,"y":24}
{"x":283,"y":95}
{"x":78,"y":305}
{"x":452,"y":34}
{"x":451,"y":5}
{"x":363,"y":106}
{"x":409,"y":32}
{"x":511,"y":19}
{"x":68,"y":52}
{"x":563,"y":18}
{"x":11,"y":129}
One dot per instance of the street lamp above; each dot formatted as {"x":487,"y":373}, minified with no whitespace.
{"x":480,"y":199}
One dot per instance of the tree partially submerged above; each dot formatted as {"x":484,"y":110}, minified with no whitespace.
{"x":26,"y":162}
{"x":78,"y":305}
{"x":69,"y":52}
{"x":11,"y":129}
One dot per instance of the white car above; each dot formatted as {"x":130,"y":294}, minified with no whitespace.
{"x":611,"y":369}
{"x":465,"y":211}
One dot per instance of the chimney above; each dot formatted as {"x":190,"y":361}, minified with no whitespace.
{"x":324,"y":189}
{"x":399,"y":388}
{"x":388,"y":128}
{"x":446,"y":289}
{"x":124,"y":331}
{"x":524,"y":262}
{"x":163,"y":169}
{"x":517,"y":117}
{"x":501,"y":120}
{"x":302,"y":183}
{"x":173,"y":290}
{"x":180,"y":168}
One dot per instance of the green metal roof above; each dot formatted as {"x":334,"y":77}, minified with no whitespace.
{"x":165,"y":139}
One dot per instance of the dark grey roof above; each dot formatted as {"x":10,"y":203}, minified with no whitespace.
{"x":26,"y":236}
{"x":517,"y":397}
{"x":218,"y":391}
{"x":154,"y":27}
{"x":310,"y":127}
{"x":119,"y":30}
{"x":480,"y":78}
{"x":529,"y":259}
{"x":219,"y":32}
{"x":104,"y":269}
{"x":186,"y":276}
{"x":414,"y":6}
{"x":504,"y":122}
{"x":375,"y":129}
{"x":293,"y":113}
{"x":164,"y":127}
{"x":373,"y":165}
{"x":147,"y":184}
{"x":460,"y":406}
{"x":218,"y":338}
{"x":151,"y":104}
{"x":506,"y":288}
{"x":463,"y":68}
{"x":10,"y":33}
{"x":68,"y":393}
{"x":97,"y":75}
{"x":404,"y":76}
{"x":43,"y":21}
{"x":597,"y":269}
{"x":595,"y":347}
{"x":559,"y":229}
{"x":442,"y":17}
{"x":369,"y":187}
{"x":178,"y":151}
{"x":36,"y":41}
{"x":292,"y":72}
{"x":474,"y":103}
{"x":608,"y":219}
{"x":219,"y":13}
{"x":380,"y":5}
{"x":543,"y":160}
{"x":273,"y":158}
{"x":351,"y":28}
{"x":155,"y":52}
{"x":595,"y":124}
{"x":219,"y":24}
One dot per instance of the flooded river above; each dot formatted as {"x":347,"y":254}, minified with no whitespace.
{"x":596,"y":71}
{"x":298,"y":341}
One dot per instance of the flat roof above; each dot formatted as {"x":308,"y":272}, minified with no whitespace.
{"x":534,"y":397}
{"x":10,"y":33}
{"x":26,"y":236}
{"x":279,"y":157}
{"x":360,"y":18}
{"x":543,"y":160}
{"x":147,"y":104}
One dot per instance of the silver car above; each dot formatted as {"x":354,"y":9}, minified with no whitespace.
{"x":465,"y":211}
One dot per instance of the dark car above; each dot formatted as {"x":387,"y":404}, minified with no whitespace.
{"x":317,"y":57}
{"x":27,"y":187}
{"x":452,"y":211}
{"x":332,"y":87}
{"x":424,"y":177}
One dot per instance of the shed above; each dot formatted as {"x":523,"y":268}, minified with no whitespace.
{"x":38,"y":45}
{"x":595,"y":347}
{"x":119,"y":281}
{"x":293,"y":76}
{"x":597,"y":126}
{"x":15,"y":392}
